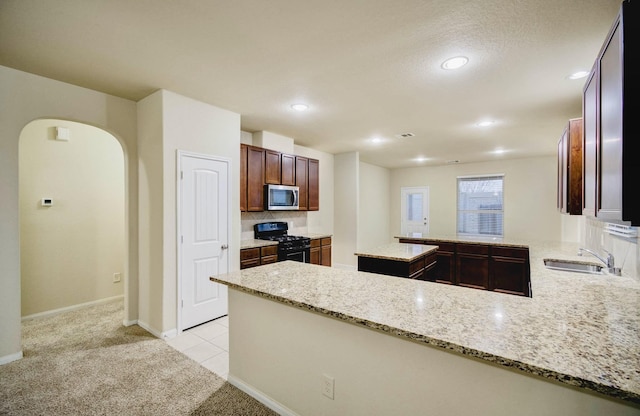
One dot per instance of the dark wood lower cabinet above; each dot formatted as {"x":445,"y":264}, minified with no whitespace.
{"x":416,"y":269}
{"x":472,"y":266}
{"x":320,"y":252}
{"x":257,"y":256}
{"x":503,"y":269}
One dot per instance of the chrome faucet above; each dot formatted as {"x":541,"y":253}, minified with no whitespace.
{"x":609,"y":262}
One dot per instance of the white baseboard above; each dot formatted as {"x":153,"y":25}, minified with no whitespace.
{"x":148,"y":328}
{"x":261,"y":397}
{"x":129,"y":323}
{"x":73,"y":307}
{"x":10,"y":358}
{"x":172,"y":333}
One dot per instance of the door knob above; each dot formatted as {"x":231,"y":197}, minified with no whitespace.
{"x":224,"y":247}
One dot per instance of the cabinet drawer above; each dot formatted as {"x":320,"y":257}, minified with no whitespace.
{"x":326,"y":241}
{"x":518,"y":253}
{"x":315,"y":242}
{"x":269,"y":251}
{"x":416,"y":266}
{"x":442,"y":246}
{"x":473,"y":248}
{"x":268,"y":259}
{"x":250,"y":253}
{"x":245,"y":264}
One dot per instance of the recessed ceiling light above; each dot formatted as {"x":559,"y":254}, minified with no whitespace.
{"x":455,"y":62}
{"x":485,"y":123}
{"x":579,"y":74}
{"x":421,"y":159}
{"x":376,"y":140}
{"x":499,"y":151}
{"x":300,"y":107}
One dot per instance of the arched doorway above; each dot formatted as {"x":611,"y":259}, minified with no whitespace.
{"x":72,"y":216}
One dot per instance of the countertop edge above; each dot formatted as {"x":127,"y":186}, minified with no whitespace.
{"x":607,"y":390}
{"x":401,"y":259}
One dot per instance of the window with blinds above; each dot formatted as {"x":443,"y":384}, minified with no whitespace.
{"x":480,"y":206}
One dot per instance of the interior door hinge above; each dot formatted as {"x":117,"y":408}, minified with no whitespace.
{"x":181,"y":175}
{"x":182,"y":303}
{"x":181,"y":239}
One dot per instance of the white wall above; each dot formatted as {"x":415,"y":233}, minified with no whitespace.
{"x":70,"y":250}
{"x":23,"y":98}
{"x":374,"y":203}
{"x":529,"y":196}
{"x":169,"y":122}
{"x":345,"y":213}
{"x":321,"y":221}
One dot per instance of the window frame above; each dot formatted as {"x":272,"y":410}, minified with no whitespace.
{"x":499,"y":176}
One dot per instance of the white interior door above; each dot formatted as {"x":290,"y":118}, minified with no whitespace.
{"x":203,"y":237}
{"x":414,"y":209}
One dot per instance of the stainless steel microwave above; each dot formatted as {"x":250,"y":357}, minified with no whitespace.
{"x":281,"y":197}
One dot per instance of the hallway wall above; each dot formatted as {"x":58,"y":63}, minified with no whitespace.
{"x":70,"y":251}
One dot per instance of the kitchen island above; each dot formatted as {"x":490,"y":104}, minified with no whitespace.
{"x":401,"y":346}
{"x":413,"y":261}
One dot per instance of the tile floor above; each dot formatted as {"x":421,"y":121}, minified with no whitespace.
{"x":207,"y":344}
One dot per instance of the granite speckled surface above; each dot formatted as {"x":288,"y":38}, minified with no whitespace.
{"x":256,"y":243}
{"x":468,"y":240}
{"x":578,"y":329}
{"x":397,"y":251}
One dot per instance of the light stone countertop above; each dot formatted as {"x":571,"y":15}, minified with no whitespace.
{"x":397,"y":251}
{"x":254,"y":243}
{"x":313,"y":236}
{"x":578,"y":329}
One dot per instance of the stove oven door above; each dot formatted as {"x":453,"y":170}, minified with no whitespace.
{"x":295,"y":254}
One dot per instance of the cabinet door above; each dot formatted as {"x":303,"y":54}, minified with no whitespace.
{"x":562,"y":173}
{"x":243,"y":177}
{"x":510,"y":270}
{"x":302,"y":169}
{"x":610,"y":141}
{"x":272,"y":167}
{"x":288,"y":176}
{"x":570,"y":168}
{"x":472,"y":265}
{"x":314,"y":252}
{"x":255,"y":179}
{"x":314,"y":185}
{"x":325,"y":255}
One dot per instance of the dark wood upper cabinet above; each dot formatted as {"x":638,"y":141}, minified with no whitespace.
{"x":314,"y":185}
{"x":255,"y":178}
{"x":617,"y":145}
{"x":570,"y":168}
{"x":243,"y":177}
{"x":259,"y":167}
{"x":302,"y":181}
{"x":272,"y":167}
{"x":288,"y":169}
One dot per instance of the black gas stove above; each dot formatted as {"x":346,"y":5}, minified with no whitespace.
{"x":290,"y":247}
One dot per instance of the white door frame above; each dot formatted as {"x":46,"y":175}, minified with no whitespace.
{"x":426,"y":206}
{"x":179,"y":155}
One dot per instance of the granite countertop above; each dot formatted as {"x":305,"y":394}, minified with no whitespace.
{"x":467,"y":240}
{"x":313,"y":236}
{"x":398,"y":251}
{"x":577,"y":329}
{"x":254,"y":243}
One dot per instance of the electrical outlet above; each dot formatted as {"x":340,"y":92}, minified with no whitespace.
{"x":116,"y":277}
{"x":328,"y":384}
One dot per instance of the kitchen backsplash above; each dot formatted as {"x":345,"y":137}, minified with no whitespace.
{"x":624,"y":250}
{"x":297,"y":221}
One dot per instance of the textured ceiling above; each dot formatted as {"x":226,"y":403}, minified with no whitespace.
{"x":367,"y":68}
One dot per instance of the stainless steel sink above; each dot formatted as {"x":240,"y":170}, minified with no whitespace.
{"x":571,"y":266}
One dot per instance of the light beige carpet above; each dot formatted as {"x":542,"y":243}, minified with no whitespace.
{"x":86,"y":362}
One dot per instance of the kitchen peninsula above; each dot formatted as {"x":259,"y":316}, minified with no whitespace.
{"x":403,"y":346}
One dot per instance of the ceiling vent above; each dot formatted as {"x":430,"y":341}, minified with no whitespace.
{"x":404,"y":135}
{"x":453,"y":162}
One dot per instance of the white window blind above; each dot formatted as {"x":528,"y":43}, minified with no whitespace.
{"x":480,"y":206}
